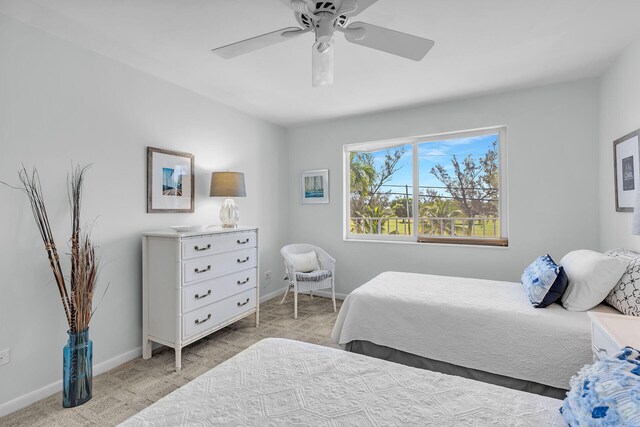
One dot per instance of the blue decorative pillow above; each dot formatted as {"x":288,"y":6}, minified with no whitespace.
{"x":545,"y":281}
{"x":606,"y":393}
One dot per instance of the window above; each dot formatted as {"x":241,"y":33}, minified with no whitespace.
{"x":447,"y":188}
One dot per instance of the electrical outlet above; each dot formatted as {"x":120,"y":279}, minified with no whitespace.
{"x":267,"y":275}
{"x":4,"y":357}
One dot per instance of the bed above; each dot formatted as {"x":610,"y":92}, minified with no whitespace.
{"x":481,"y":329}
{"x":281,"y":382}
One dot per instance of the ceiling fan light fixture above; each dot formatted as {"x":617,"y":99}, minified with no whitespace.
{"x":322,"y":63}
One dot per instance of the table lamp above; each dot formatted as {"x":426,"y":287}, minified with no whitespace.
{"x":228,"y":184}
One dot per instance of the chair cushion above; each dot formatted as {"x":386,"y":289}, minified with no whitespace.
{"x":304,"y":262}
{"x":313,"y":276}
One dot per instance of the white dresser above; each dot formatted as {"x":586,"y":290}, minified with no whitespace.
{"x":196,"y":283}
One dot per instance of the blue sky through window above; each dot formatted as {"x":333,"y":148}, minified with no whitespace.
{"x":434,"y":152}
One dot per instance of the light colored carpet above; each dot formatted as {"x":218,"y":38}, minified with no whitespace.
{"x":127,"y":389}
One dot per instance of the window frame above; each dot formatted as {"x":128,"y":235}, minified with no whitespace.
{"x":415,"y":141}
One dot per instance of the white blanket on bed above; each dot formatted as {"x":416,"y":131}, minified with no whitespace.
{"x":480,"y":324}
{"x":278,"y":382}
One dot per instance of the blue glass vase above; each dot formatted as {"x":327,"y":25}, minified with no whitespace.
{"x":77,"y":374}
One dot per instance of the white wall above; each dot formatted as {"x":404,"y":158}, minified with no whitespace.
{"x":619,"y":115}
{"x":60,"y":103}
{"x":553,"y":206}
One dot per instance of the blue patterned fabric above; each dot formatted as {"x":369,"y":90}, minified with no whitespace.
{"x":545,"y":281}
{"x":606,"y":393}
{"x":313,"y":276}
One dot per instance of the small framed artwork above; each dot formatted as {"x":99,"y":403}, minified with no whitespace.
{"x":314,"y":186}
{"x":626,"y":164}
{"x":170,"y":181}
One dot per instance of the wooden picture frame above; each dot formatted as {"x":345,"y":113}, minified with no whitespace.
{"x":170,"y":181}
{"x":314,"y":186}
{"x":626,"y":170}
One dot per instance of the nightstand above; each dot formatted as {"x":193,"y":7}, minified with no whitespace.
{"x":611,"y":332}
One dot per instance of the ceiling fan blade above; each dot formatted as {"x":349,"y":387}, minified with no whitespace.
{"x":390,"y":41}
{"x":240,"y":48}
{"x":302,"y":6}
{"x":354,"y":7}
{"x":322,"y":63}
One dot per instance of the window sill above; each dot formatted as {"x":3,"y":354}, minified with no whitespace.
{"x":434,"y":241}
{"x":465,"y":241}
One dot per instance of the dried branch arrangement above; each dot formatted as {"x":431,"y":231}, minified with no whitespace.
{"x":76,"y":293}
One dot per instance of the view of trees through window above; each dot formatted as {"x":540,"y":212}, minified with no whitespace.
{"x":458,"y":193}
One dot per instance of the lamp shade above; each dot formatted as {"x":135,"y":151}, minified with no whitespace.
{"x":227,"y":184}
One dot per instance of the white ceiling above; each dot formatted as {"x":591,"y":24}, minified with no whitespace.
{"x":482,"y":46}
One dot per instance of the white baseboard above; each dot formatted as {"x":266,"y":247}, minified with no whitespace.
{"x":46,"y":391}
{"x":272,"y":295}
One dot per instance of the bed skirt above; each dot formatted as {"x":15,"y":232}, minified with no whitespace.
{"x":386,"y":353}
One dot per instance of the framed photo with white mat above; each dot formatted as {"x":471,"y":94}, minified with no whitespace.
{"x":626,"y":164}
{"x":170,"y":181}
{"x":314,"y":186}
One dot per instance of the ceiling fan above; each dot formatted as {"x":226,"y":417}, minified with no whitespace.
{"x":324,"y":18}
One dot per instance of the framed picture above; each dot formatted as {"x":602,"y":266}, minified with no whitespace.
{"x":170,"y":181}
{"x":314,"y":186}
{"x":626,"y":167}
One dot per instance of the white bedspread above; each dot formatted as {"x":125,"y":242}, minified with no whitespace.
{"x":480,"y":324}
{"x":279,"y":382}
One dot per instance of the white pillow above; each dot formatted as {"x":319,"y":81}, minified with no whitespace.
{"x":308,"y":261}
{"x":591,"y":276}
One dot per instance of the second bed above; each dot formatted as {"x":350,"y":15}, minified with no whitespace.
{"x":481,"y":329}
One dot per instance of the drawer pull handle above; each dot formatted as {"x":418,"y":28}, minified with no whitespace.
{"x":243,"y":243}
{"x":599,"y":350}
{"x":199,"y":249}
{"x":202,"y":271}
{"x":240,"y":304}
{"x":198,"y":296}
{"x":199,"y":322}
{"x":242,"y":283}
{"x":241,"y":261}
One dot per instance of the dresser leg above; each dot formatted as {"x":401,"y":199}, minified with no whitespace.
{"x":146,"y":349}
{"x":178,"y":359}
{"x":257,"y":318}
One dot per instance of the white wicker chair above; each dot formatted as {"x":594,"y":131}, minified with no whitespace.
{"x":324,"y":278}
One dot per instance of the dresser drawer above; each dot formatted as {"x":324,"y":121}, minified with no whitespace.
{"x":219,"y":312}
{"x":234,"y":241}
{"x":219,"y":265}
{"x":195,"y":247}
{"x":209,"y":291}
{"x":603,"y":345}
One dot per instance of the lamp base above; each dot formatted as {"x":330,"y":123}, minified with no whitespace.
{"x":229,"y":214}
